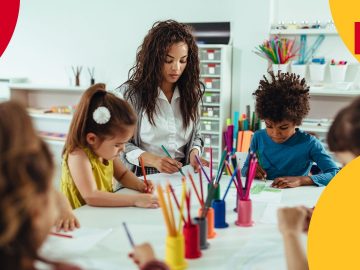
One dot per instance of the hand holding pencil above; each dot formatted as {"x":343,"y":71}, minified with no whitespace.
{"x":260,"y":173}
{"x":173,"y":162}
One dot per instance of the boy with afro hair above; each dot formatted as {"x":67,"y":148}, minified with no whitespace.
{"x":285,"y":152}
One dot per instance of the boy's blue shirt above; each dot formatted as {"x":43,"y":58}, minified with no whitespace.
{"x":293,"y":157}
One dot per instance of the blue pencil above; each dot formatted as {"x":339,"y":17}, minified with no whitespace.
{"x":128,"y":235}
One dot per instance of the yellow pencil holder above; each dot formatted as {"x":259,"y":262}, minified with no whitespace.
{"x":175,"y":252}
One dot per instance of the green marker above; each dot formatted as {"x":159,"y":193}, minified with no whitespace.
{"x":168,"y":154}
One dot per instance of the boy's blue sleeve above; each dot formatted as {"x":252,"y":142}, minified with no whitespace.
{"x":253,"y":148}
{"x":328,"y":167}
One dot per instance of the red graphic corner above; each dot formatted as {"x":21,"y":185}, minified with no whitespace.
{"x":9,"y":11}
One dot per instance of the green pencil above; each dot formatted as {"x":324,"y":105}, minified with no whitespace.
{"x":168,"y":154}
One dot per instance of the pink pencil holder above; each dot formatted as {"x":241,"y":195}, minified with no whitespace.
{"x":244,"y":218}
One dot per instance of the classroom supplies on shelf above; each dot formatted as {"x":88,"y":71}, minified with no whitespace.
{"x":277,"y":50}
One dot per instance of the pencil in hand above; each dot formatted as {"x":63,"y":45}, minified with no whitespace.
{"x":144,"y":174}
{"x":168,"y":154}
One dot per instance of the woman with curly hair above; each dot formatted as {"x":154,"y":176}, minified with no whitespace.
{"x":165,"y":90}
{"x":285,"y":152}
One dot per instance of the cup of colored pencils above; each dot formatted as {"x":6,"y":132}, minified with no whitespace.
{"x":175,"y":244}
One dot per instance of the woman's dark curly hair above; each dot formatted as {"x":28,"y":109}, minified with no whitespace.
{"x":344,"y":133}
{"x":284,"y":97}
{"x":146,"y":75}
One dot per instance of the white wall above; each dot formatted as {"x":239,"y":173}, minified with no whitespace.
{"x":51,"y":36}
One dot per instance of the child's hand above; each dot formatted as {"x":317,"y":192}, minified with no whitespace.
{"x":167,"y":165}
{"x":146,"y":201}
{"x":260,"y":173}
{"x":142,"y":254}
{"x":146,"y":188}
{"x":193,"y":161}
{"x":66,"y":220}
{"x":292,"y":220}
{"x":291,"y":181}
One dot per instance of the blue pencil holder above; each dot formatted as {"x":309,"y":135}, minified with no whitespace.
{"x":220,"y":214}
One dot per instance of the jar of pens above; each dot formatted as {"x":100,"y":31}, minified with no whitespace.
{"x":279,"y":52}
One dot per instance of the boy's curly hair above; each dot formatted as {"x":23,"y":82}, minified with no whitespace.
{"x":285,"y":97}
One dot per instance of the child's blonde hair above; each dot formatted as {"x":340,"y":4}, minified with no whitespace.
{"x":26,"y":169}
{"x":120,"y":112}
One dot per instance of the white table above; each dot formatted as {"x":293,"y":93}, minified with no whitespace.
{"x":257,"y":247}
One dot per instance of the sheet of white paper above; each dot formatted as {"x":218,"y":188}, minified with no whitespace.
{"x":270,"y":213}
{"x":262,"y":192}
{"x":84,"y":239}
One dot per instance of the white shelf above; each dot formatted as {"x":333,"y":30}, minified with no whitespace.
{"x":53,"y":116}
{"x":322,"y":129}
{"x":209,"y":76}
{"x":213,"y":90}
{"x":211,"y":104}
{"x":209,"y":118}
{"x":334,"y":92}
{"x":210,"y":132}
{"x":47,"y":88}
{"x":304,"y":32}
{"x":210,"y":61}
{"x":54,"y":142}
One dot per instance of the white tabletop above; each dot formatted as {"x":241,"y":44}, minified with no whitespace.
{"x":257,"y":247}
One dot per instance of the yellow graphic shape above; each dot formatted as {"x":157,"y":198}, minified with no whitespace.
{"x":334,"y":233}
{"x":345,"y":13}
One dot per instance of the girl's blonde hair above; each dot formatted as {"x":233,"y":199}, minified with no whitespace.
{"x":121,"y":117}
{"x":26,"y":169}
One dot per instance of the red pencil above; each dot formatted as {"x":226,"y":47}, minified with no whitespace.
{"x":196,"y":192}
{"x":143,"y":172}
{"x":201,"y":186}
{"x":61,"y":235}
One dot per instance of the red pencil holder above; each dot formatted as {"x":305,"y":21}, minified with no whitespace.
{"x":192,"y":241}
{"x":210,"y":222}
{"x":244,"y":218}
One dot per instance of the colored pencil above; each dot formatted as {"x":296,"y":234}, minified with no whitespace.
{"x":201,"y":185}
{"x":176,"y":202}
{"x":195,"y":189}
{"x":61,"y":235}
{"x":231,"y":180}
{"x":128,"y":234}
{"x":172,"y":218}
{"x":143,"y":172}
{"x":168,"y":154}
{"x":165,"y":212}
{"x":202,"y":168}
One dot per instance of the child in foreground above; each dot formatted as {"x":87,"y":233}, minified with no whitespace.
{"x":29,"y":204}
{"x":100,"y":128}
{"x":285,"y":152}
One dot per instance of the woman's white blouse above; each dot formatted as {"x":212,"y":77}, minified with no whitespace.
{"x":169,"y":130}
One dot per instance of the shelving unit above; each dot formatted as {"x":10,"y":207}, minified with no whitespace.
{"x":37,"y":97}
{"x":309,"y":31}
{"x":215,"y":66}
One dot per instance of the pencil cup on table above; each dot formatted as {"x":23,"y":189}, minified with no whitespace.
{"x":217,"y":191}
{"x":210,"y":222}
{"x":219,"y":207}
{"x":192,"y":241}
{"x":202,"y":222}
{"x":175,"y":252}
{"x":244,"y":218}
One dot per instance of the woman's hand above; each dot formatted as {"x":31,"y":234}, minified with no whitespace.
{"x":167,"y":165}
{"x":193,"y":162}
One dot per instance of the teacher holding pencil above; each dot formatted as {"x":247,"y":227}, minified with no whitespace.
{"x":165,"y":90}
